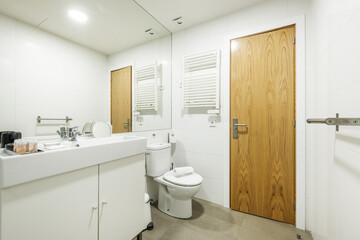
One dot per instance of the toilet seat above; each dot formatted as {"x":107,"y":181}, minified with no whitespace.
{"x":192,"y":179}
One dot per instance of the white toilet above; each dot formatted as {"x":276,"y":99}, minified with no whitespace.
{"x":175,"y":193}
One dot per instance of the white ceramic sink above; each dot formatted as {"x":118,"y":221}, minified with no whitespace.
{"x":83,"y":142}
{"x":74,"y":155}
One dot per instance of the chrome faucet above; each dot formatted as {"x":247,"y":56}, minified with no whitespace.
{"x":63,"y":132}
{"x":73,"y":133}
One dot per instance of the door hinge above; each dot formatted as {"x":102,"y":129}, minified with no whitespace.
{"x":294,"y":205}
{"x":294,"y":123}
{"x":294,"y":40}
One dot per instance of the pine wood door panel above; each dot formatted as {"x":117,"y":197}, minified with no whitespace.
{"x":121,"y":102}
{"x":263,"y":97}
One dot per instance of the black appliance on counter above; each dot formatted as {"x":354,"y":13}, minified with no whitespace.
{"x":8,"y":137}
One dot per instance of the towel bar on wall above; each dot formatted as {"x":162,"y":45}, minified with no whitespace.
{"x":67,"y":119}
{"x":336,"y":121}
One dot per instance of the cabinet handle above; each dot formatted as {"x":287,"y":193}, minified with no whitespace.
{"x":104,"y":202}
{"x":94,"y":207}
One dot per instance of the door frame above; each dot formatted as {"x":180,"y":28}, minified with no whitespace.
{"x":118,"y":67}
{"x":300,"y":99}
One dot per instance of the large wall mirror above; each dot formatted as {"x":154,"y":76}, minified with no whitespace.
{"x":140,"y":83}
{"x":90,"y":60}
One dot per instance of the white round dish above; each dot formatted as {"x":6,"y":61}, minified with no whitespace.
{"x":101,"y":129}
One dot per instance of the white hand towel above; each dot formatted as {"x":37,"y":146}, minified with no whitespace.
{"x":182,"y":171}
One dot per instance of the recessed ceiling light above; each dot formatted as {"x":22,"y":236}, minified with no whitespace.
{"x":78,"y":16}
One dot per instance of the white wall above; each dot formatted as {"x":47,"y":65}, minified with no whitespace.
{"x":146,"y":54}
{"x":333,"y":159}
{"x":332,"y":85}
{"x":41,"y":74}
{"x":198,"y":144}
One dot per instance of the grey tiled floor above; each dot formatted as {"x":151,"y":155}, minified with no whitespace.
{"x":211,"y":221}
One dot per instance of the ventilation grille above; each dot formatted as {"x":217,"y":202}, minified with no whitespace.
{"x":201,"y":75}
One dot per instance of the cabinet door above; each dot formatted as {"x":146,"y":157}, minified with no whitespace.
{"x":121,"y":198}
{"x":54,"y":208}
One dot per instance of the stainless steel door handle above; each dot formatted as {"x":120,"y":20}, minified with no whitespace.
{"x":235,"y":127}
{"x":127,"y":125}
{"x":241,"y":124}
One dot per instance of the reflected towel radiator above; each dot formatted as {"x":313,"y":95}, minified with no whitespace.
{"x":146,"y":94}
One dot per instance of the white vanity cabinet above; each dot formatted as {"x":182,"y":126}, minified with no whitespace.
{"x":100,"y":202}
{"x":57,"y":208}
{"x":121,"y":198}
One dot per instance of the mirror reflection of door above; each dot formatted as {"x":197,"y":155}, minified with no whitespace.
{"x":121,"y":100}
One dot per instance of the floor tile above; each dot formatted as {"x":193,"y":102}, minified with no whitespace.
{"x":214,"y":222}
{"x":246,"y":234}
{"x":212,"y":227}
{"x":182,"y":232}
{"x":275,"y":229}
{"x":218,"y":211}
{"x":162,"y":223}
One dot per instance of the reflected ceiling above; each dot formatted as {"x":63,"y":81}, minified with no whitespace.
{"x":110,"y":25}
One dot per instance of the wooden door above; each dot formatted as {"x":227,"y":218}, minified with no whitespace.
{"x":262,"y":95}
{"x":121,"y":100}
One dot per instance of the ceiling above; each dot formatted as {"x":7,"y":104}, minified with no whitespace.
{"x":115,"y":25}
{"x":112,"y":26}
{"x":192,"y":11}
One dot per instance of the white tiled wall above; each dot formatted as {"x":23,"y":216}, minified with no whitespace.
{"x":41,"y":74}
{"x":199,"y":145}
{"x":333,"y":159}
{"x":146,"y":54}
{"x":332,"y":85}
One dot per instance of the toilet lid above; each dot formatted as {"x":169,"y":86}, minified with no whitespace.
{"x":192,"y":179}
